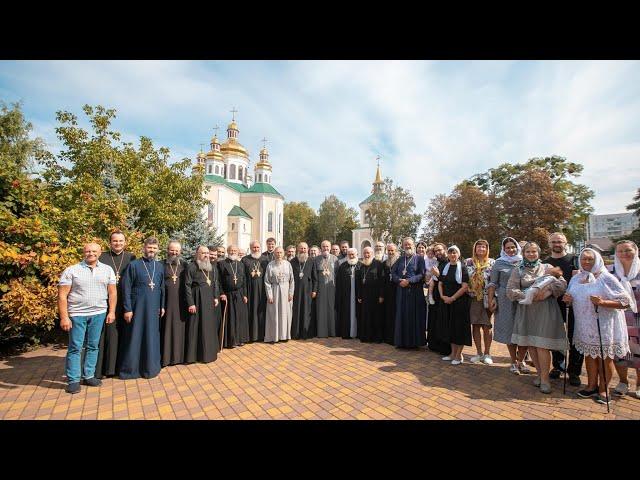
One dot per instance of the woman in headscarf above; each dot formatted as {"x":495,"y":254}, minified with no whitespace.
{"x":594,"y":288}
{"x":452,"y":286}
{"x":539,"y":325}
{"x":510,"y":257}
{"x":479,"y":268}
{"x":626,"y":268}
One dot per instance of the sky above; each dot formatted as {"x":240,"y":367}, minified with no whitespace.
{"x":433,"y":123}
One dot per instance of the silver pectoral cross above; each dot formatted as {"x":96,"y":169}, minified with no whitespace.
{"x":151,"y":284}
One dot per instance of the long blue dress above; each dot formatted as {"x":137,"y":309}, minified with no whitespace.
{"x":411,"y":322}
{"x":141,"y":343}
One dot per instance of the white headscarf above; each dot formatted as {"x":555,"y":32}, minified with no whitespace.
{"x":517,"y":258}
{"x":459,"y":265}
{"x":625,"y":280}
{"x":598,"y":267}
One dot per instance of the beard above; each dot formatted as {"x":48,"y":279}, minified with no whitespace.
{"x":391,"y":259}
{"x":204,"y":265}
{"x":150,"y":255}
{"x":378,"y":255}
{"x":255,"y":255}
{"x":409,"y":251}
{"x":325,"y":254}
{"x":233,"y":258}
{"x":352,"y":261}
{"x":173,"y":260}
{"x":367,"y":261}
{"x":303,"y":257}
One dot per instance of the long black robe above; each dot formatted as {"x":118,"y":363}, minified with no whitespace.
{"x":236,"y":328}
{"x":325,"y":302}
{"x":301,"y":324}
{"x":437,"y":336}
{"x":257,"y":306}
{"x":455,"y":316}
{"x":141,"y":337}
{"x":389,"y":306}
{"x":269,"y":257}
{"x":369,"y":289}
{"x":411,"y":314}
{"x":108,"y":357}
{"x":172,"y":325}
{"x":201,"y":334}
{"x":343,"y":298}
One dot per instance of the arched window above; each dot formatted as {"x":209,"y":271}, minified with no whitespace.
{"x":266,"y":178}
{"x":233,"y":226}
{"x":209,"y":169}
{"x":279,"y":223}
{"x":232,"y":172}
{"x":240,"y":172}
{"x":367,"y":216}
{"x":259,"y":177}
{"x":211,"y":213}
{"x":270,"y":222}
{"x":217,"y":170}
{"x":244,"y":227}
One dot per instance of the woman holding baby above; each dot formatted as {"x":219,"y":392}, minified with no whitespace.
{"x":596,"y":294}
{"x":538,"y":325}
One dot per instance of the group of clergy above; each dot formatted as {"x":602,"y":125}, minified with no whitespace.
{"x":174,"y":312}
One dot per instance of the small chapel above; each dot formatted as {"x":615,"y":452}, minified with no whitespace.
{"x":361,"y":236}
{"x":242,"y":207}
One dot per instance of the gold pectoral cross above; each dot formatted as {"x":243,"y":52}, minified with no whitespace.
{"x":117,"y":278}
{"x":235,"y":279}
{"x":174,"y":278}
{"x":208,"y":281}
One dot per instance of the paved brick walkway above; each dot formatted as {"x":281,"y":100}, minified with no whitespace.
{"x":317,"y":379}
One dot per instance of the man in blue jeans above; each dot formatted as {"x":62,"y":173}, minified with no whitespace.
{"x":83,"y":293}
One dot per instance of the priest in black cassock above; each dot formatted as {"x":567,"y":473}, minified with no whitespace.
{"x":201,"y":292}
{"x":301,"y":325}
{"x":323,"y":282}
{"x":411,"y":318}
{"x":370,"y":295}
{"x":390,"y":294}
{"x":346,"y":305}
{"x":271,"y":248}
{"x":255,"y":266}
{"x":172,"y":324}
{"x":143,"y":302}
{"x":108,"y":359}
{"x":233,"y":282}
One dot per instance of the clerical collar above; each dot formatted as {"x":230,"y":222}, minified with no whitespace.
{"x":117,"y":254}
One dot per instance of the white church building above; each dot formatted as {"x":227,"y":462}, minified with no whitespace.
{"x":362,"y":236}
{"x":242,"y":207}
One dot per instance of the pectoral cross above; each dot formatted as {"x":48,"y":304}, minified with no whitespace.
{"x":208,"y":281}
{"x":235,"y":279}
{"x":174,"y":278}
{"x":117,"y":278}
{"x":151,"y":284}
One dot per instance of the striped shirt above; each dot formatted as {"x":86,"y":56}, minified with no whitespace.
{"x":88,"y":295}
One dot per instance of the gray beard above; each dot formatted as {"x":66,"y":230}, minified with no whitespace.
{"x":303,"y":257}
{"x":392,"y":259}
{"x":409,"y":252}
{"x":256,"y":255}
{"x":233,"y":258}
{"x":378,"y":256}
{"x":173,"y":260}
{"x":204,"y":265}
{"x":366,"y":261}
{"x":325,"y":254}
{"x":352,"y":261}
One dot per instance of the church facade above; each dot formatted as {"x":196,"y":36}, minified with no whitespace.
{"x":362,"y":237}
{"x":242,"y":207}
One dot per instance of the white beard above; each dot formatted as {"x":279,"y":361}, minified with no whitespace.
{"x":352,"y":261}
{"x":409,"y":252}
{"x":256,"y":255}
{"x":378,"y":255}
{"x":391,"y":260}
{"x":367,"y":261}
{"x":204,"y":265}
{"x":233,"y":258}
{"x":303,"y":257}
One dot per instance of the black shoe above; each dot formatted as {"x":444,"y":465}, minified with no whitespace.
{"x":92,"y":382}
{"x":574,"y":380}
{"x":601,"y":399}
{"x":588,"y":393}
{"x":73,"y":387}
{"x":555,"y":374}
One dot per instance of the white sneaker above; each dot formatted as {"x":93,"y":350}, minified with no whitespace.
{"x":476,"y":358}
{"x":621,"y":389}
{"x":447,"y":358}
{"x":457,"y":362}
{"x":638,"y":392}
{"x":487,"y":360}
{"x":524,"y":368}
{"x":514,"y":369}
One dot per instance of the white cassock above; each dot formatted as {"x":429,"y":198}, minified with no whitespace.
{"x":279,"y":286}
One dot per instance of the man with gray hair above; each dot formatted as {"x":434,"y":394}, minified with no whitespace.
{"x":390,"y":294}
{"x":301,"y":324}
{"x":378,"y":253}
{"x":323,"y":282}
{"x":370,"y":294}
{"x":255,"y":266}
{"x":346,"y":316}
{"x":143,"y":289}
{"x":173,"y":323}
{"x":201,"y":292}
{"x":233,"y":281}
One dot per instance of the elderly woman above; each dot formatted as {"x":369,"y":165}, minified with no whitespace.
{"x":626,"y":269}
{"x":538,"y":325}
{"x":510,"y":257}
{"x":596,"y":295}
{"x":452,"y":286}
{"x":479,"y":267}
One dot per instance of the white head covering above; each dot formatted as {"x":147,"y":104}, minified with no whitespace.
{"x":598,"y":267}
{"x":517,"y":258}
{"x":625,"y":280}
{"x":459,"y":265}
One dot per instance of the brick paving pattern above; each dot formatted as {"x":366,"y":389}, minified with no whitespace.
{"x":312,"y":379}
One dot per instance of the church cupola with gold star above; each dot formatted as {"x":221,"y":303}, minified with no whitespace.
{"x":236,"y":157}
{"x":262,"y":172}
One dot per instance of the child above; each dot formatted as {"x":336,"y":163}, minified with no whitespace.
{"x":539,"y":284}
{"x":430,"y":261}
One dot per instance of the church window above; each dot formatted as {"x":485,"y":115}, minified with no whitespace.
{"x":266,"y":178}
{"x":211,"y":208}
{"x":367,"y":216}
{"x":270,"y":222}
{"x":233,"y":226}
{"x":279,"y":223}
{"x":244,"y":227}
{"x":232,"y":172}
{"x":209,"y":170}
{"x":259,"y":177}
{"x":217,"y":170}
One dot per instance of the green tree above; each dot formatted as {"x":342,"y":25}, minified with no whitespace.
{"x":197,"y":233}
{"x":635,"y":206}
{"x":391,"y":214}
{"x":297,"y":218}
{"x":335,"y":220}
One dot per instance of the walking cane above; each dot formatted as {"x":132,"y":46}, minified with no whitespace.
{"x":566,"y":357}
{"x":221,"y":333}
{"x":604,"y":372}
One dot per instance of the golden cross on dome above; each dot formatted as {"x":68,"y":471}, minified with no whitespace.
{"x":215,"y":133}
{"x":378,"y":160}
{"x":233,"y":111}
{"x":201,"y":147}
{"x":264,"y":143}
